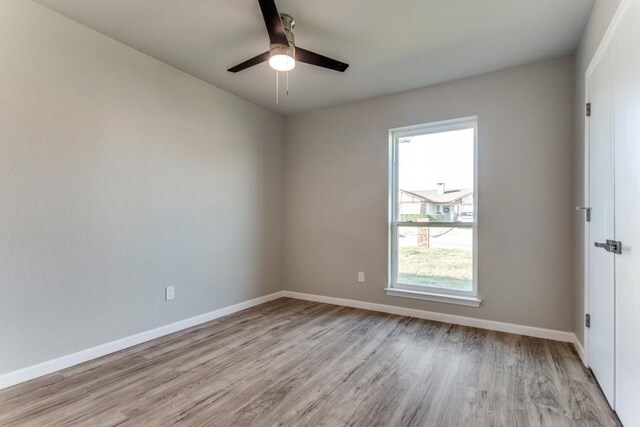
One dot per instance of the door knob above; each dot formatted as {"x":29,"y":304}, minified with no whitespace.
{"x":612,"y":246}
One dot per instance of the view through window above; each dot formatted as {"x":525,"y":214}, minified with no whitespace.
{"x":434,"y":207}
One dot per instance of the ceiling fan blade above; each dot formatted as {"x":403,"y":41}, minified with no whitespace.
{"x":313,"y":58}
{"x":250,"y":62}
{"x":272,"y":20}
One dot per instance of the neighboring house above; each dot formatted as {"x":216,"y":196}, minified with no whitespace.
{"x":441,"y":204}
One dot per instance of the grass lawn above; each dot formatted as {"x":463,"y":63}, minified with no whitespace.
{"x":443,"y":268}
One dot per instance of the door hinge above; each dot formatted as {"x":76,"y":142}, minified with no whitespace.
{"x":587,"y":212}
{"x":587,"y":320}
{"x":588,"y":109}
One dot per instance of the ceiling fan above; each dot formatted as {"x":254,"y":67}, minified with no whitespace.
{"x":283,"y":52}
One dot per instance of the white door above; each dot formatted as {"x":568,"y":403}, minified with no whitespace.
{"x":627,"y":217}
{"x":601,"y":228}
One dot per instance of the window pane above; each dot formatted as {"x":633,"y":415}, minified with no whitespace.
{"x":435,"y":177}
{"x":435,"y":256}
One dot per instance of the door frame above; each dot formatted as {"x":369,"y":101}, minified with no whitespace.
{"x":604,"y":44}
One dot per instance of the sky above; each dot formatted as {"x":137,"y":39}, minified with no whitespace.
{"x":438,"y":157}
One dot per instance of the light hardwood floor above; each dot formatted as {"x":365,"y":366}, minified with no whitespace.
{"x":298,"y":363}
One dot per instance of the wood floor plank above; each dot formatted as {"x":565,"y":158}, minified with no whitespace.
{"x":299,"y":363}
{"x":243,"y":368}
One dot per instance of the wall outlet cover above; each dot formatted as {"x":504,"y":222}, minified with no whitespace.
{"x":169,"y":293}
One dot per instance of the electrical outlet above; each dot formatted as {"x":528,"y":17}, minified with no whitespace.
{"x":361,"y":276}
{"x":169,"y":293}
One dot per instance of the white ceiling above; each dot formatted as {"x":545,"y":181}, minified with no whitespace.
{"x":391,"y":45}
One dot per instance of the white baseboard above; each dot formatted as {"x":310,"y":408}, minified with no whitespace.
{"x":31,"y":372}
{"x":580,"y":349}
{"x":35,"y":371}
{"x":492,"y":325}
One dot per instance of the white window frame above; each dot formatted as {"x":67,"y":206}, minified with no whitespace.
{"x":430,"y":293}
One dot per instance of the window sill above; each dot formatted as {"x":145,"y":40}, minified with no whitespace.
{"x":431,"y":296}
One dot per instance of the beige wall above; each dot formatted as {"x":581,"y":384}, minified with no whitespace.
{"x":336,"y":193}
{"x":119,"y":176}
{"x":603,"y":11}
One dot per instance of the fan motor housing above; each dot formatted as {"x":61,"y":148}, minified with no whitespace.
{"x":278,"y":49}
{"x":289,"y":24}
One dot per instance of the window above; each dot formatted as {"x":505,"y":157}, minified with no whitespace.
{"x":433,"y":212}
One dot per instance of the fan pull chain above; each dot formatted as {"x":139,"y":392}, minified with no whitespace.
{"x":287,"y":83}
{"x":277,"y":87}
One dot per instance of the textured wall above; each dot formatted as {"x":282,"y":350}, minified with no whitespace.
{"x":119,"y":176}
{"x":603,"y":11}
{"x":336,"y":193}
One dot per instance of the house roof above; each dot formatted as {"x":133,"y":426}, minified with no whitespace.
{"x":433,"y":196}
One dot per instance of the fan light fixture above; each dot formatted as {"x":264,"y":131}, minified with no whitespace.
{"x":283,"y":53}
{"x":281,"y":58}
